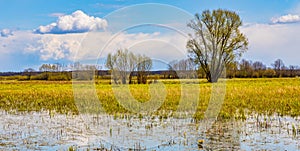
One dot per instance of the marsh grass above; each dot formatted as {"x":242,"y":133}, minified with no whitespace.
{"x":243,"y":97}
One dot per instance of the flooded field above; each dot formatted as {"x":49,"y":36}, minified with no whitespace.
{"x":48,"y":131}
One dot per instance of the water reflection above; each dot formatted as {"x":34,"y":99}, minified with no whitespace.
{"x":47,"y":131}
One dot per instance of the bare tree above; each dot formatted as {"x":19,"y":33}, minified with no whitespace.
{"x":257,"y":65}
{"x":124,"y":63}
{"x":278,"y":66}
{"x":185,"y":68}
{"x":246,"y":69}
{"x":51,"y":67}
{"x":110,"y":64}
{"x":28,"y":72}
{"x":120,"y":64}
{"x":59,"y":67}
{"x":144,"y":65}
{"x":258,"y":68}
{"x":45,"y":67}
{"x":292,"y":69}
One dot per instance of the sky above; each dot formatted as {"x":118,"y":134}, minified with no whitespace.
{"x":34,"y":32}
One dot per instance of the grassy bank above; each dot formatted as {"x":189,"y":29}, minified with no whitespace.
{"x":243,"y":96}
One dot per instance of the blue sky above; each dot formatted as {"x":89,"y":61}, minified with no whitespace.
{"x":29,"y":14}
{"x":29,"y":38}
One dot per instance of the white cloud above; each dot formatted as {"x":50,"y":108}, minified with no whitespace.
{"x":6,"y":33}
{"x":69,"y":47}
{"x":77,"y":22}
{"x":54,"y":47}
{"x":16,"y":43}
{"x":286,"y":19}
{"x":94,"y":45}
{"x":12,"y":56}
{"x":270,"y":42}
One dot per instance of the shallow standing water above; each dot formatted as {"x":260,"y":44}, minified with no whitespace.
{"x":47,"y":131}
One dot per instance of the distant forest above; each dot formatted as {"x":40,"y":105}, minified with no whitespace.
{"x":177,"y":69}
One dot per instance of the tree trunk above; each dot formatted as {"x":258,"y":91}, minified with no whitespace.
{"x":130,"y":78}
{"x":139,"y":78}
{"x":144,"y":79}
{"x":123,"y":80}
{"x":115,"y":80}
{"x":211,"y":78}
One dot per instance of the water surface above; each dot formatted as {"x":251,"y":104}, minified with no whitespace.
{"x":48,"y":131}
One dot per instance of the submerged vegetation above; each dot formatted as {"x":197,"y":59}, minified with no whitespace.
{"x":243,"y":97}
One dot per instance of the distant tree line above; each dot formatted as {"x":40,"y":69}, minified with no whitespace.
{"x":257,"y":69}
{"x":51,"y":72}
{"x":140,"y":71}
{"x":243,"y":69}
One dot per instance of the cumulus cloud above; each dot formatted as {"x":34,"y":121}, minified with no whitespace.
{"x":6,"y":33}
{"x":286,"y":19}
{"x":77,"y":22}
{"x":55,"y":47}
